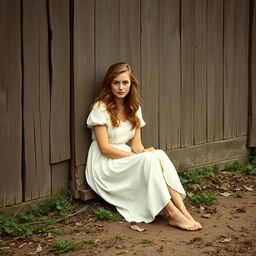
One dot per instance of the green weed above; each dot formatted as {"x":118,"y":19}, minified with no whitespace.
{"x":22,"y":226}
{"x":146,"y":241}
{"x":187,"y":176}
{"x":235,"y":167}
{"x":66,"y":246}
{"x":240,"y":194}
{"x":89,"y":242}
{"x":117,"y":238}
{"x":196,"y":175}
{"x":248,"y":168}
{"x":207,"y":198}
{"x":3,"y":251}
{"x":208,"y":172}
{"x":117,"y":217}
{"x":248,"y":242}
{"x":103,"y":214}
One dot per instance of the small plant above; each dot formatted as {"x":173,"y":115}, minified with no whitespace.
{"x":117,"y":238}
{"x":187,"y":176}
{"x":117,"y":217}
{"x":250,"y":169}
{"x":208,"y":172}
{"x":207,"y":198}
{"x":3,"y":251}
{"x":22,"y":226}
{"x":104,"y":214}
{"x":58,"y":203}
{"x":66,"y":246}
{"x":89,"y":242}
{"x":240,"y":194}
{"x":248,"y":242}
{"x":196,"y":175}
{"x":146,"y":241}
{"x":235,"y":167}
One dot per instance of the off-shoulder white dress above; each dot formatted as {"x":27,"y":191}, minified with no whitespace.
{"x":135,"y":185}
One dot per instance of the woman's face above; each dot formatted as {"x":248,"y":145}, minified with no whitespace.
{"x":120,"y":85}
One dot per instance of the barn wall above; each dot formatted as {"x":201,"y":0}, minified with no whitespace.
{"x":192,"y":58}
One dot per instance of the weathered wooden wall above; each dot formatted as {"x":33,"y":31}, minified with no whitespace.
{"x":192,"y":58}
{"x":34,"y":99}
{"x":252,"y":77}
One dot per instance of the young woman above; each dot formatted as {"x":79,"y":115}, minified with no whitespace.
{"x":138,"y":181}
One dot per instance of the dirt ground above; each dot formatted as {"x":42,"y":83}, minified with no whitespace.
{"x":229,"y":228}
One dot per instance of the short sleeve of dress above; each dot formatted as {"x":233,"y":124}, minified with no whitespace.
{"x":139,"y":115}
{"x":97,"y":116}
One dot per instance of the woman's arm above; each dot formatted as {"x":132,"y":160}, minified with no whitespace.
{"x":101,"y":135}
{"x":137,"y":145}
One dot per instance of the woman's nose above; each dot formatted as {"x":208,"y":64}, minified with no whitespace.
{"x":121,"y":86}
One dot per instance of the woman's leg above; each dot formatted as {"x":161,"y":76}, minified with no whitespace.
{"x":178,"y":202}
{"x":177,"y":219}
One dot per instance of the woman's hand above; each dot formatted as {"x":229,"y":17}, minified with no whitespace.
{"x":149,"y":149}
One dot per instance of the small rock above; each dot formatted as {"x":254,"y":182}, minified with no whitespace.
{"x":136,"y":228}
{"x":38,"y":248}
{"x":207,"y":215}
{"x":226,"y":240}
{"x":248,"y":188}
{"x":21,"y":245}
{"x":226,"y":194}
{"x":79,"y":224}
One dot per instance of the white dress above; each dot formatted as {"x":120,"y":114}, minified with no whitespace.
{"x":135,"y":185}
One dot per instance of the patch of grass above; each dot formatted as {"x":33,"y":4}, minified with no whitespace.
{"x":58,"y":204}
{"x":208,"y":172}
{"x":239,"y":194}
{"x":196,"y":175}
{"x":117,"y":238}
{"x":3,"y":251}
{"x":22,"y":226}
{"x":248,"y":168}
{"x":117,"y":217}
{"x":66,"y":246}
{"x":207,"y":198}
{"x":248,"y":242}
{"x":89,"y":242}
{"x":187,"y":177}
{"x":57,"y":232}
{"x":146,"y":241}
{"x":103,"y":214}
{"x":235,"y":167}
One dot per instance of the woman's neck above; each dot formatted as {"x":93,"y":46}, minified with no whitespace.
{"x":119,"y":103}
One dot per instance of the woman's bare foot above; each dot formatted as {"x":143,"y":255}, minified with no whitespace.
{"x":187,"y":214}
{"x":177,"y":219}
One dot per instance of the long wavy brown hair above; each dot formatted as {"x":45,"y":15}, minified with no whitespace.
{"x":131,"y":100}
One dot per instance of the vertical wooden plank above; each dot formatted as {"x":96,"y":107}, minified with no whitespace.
{"x":252,"y":95}
{"x":130,"y":34}
{"x":36,"y":110}
{"x":10,"y":104}
{"x":187,"y":70}
{"x":107,"y":37}
{"x":169,"y":74}
{"x":200,"y":86}
{"x":83,"y":84}
{"x":214,"y":70}
{"x":149,"y":70}
{"x":230,"y":68}
{"x":60,"y":81}
{"x":243,"y":60}
{"x":60,"y":177}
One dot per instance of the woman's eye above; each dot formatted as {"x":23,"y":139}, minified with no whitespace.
{"x":115,"y":82}
{"x":125,"y":82}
